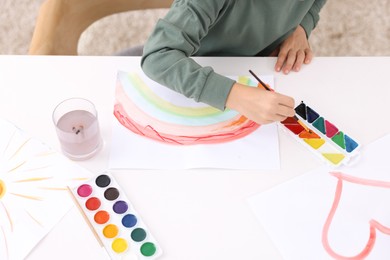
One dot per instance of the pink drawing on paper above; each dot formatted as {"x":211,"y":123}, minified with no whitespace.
{"x":373,"y":224}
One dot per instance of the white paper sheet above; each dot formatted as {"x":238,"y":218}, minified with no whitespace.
{"x":305,"y":221}
{"x":258,"y":150}
{"x":33,"y":194}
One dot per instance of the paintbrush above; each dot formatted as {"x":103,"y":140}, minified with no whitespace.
{"x":268,"y":89}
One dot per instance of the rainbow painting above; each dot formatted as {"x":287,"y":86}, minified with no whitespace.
{"x":33,"y":194}
{"x":143,"y":112}
{"x":159,"y":117}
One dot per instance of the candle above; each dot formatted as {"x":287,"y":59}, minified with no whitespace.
{"x":77,"y":128}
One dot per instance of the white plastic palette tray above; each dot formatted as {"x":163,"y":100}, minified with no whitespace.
{"x":115,"y":222}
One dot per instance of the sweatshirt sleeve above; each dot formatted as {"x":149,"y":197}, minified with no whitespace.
{"x":166,"y":57}
{"x":310,"y":20}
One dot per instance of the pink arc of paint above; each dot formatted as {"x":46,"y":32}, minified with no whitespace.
{"x":151,"y":133}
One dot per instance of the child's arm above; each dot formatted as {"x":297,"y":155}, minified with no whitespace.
{"x":295,"y":50}
{"x":175,"y":39}
{"x":260,"y":105}
{"x":167,"y":60}
{"x":310,"y":20}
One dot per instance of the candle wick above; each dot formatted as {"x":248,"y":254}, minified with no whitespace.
{"x":77,"y":130}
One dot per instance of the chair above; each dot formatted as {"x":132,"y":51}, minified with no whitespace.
{"x":60,"y":23}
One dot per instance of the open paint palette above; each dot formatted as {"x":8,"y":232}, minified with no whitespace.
{"x":325,"y":139}
{"x":114,"y":221}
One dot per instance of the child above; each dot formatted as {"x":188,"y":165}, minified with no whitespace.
{"x":231,"y":28}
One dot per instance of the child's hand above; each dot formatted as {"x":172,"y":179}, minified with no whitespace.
{"x":293,"y":52}
{"x":259,"y":105}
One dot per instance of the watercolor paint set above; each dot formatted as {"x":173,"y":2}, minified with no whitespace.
{"x":322,"y":137}
{"x":113,"y":220}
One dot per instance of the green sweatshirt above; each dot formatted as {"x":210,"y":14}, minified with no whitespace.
{"x":219,"y":28}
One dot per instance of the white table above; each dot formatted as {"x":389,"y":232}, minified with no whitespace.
{"x":194,"y":214}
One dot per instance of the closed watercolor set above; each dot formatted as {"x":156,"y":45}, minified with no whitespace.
{"x":113,"y":220}
{"x":323,"y":138}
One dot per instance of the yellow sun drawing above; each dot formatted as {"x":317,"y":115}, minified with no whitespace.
{"x":33,"y":194}
{"x":2,"y":188}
